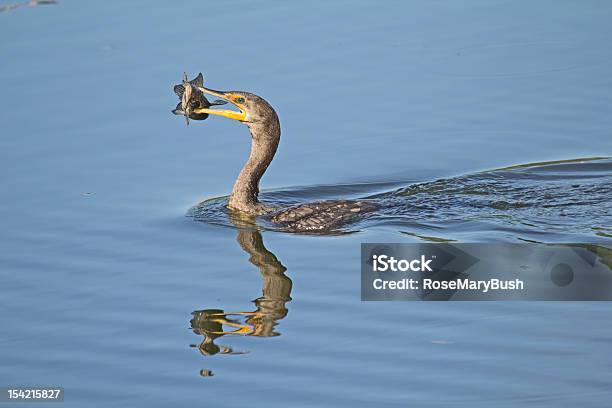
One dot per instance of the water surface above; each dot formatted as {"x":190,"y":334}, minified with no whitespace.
{"x":111,"y":291}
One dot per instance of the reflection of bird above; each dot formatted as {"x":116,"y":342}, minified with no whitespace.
{"x":263,"y":123}
{"x":270,"y":307}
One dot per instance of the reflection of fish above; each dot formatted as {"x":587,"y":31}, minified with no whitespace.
{"x":192,"y":98}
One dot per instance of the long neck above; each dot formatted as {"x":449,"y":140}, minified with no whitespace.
{"x":264,"y":142}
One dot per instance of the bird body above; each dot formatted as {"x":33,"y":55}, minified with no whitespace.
{"x":322,"y":216}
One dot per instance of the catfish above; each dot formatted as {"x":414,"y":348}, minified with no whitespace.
{"x":193,"y":98}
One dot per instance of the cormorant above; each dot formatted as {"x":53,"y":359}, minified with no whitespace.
{"x":263,"y":123}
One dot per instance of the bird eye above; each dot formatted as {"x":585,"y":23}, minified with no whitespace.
{"x":239,"y":100}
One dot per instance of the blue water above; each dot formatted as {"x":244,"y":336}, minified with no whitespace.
{"x":101,"y":270}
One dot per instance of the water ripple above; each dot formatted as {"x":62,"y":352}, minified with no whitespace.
{"x":552,"y":200}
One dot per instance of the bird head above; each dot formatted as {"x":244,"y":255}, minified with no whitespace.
{"x":252,"y":110}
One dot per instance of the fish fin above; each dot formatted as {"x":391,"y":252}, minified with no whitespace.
{"x":179,"y":110}
{"x":218,"y":102}
{"x":179,"y":90}
{"x":198,"y":81}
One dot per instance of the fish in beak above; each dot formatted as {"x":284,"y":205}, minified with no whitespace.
{"x":192,"y":98}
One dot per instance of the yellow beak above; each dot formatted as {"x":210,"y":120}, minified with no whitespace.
{"x":240,"y":116}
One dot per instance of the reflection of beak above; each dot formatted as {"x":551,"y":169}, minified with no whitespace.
{"x":240,"y":116}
